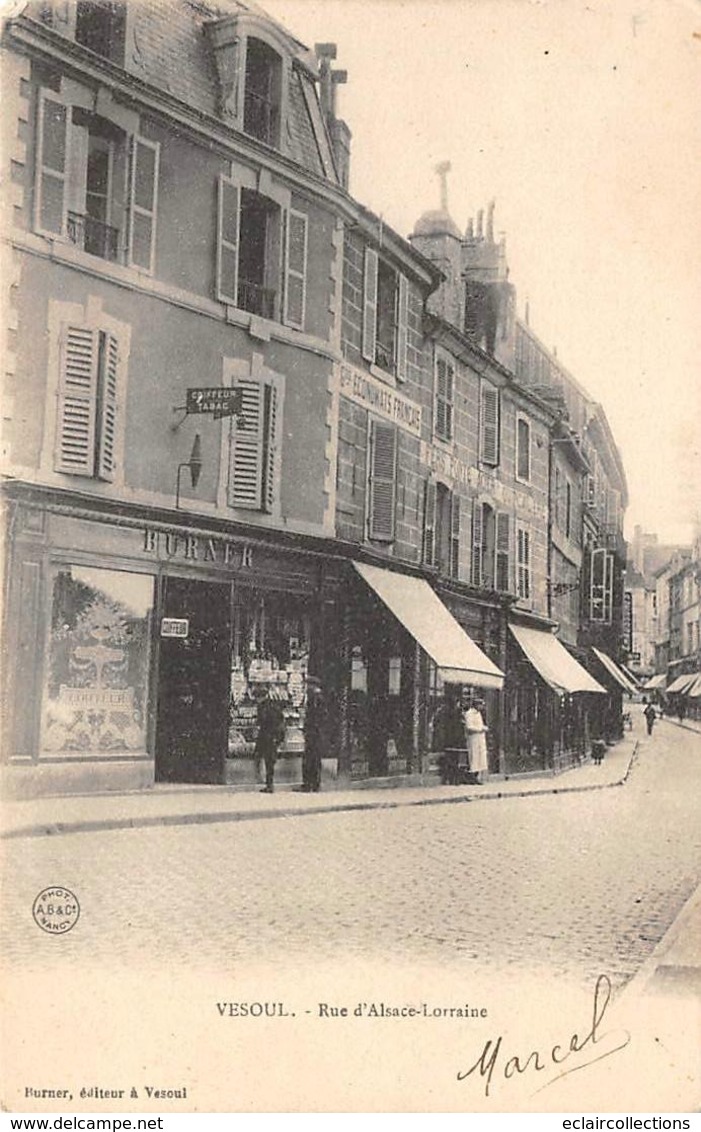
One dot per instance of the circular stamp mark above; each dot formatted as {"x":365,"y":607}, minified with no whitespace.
{"x":56,"y":910}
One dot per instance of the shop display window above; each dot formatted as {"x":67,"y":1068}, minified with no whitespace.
{"x":97,"y":672}
{"x":270,"y":647}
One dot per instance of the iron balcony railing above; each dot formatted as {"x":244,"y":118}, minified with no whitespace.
{"x":93,"y":236}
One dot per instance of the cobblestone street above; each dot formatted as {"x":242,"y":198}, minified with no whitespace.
{"x":569,"y":885}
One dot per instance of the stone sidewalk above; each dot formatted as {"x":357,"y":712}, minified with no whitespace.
{"x":169,"y":805}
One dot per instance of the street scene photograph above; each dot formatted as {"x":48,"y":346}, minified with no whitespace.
{"x":351,"y":508}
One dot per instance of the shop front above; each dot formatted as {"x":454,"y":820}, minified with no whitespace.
{"x":608,"y":713}
{"x":142,"y":647}
{"x":406,"y":655}
{"x":549,"y":702}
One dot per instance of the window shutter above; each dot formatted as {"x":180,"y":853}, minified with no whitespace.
{"x":489,"y":444}
{"x":402,"y":327}
{"x":270,"y":436}
{"x":77,"y":173}
{"x":429,"y":555}
{"x":454,"y":535}
{"x":523,"y":456}
{"x":370,"y":305}
{"x":444,"y":399}
{"x":247,"y":444}
{"x":524,"y":563}
{"x":296,"y":269}
{"x":503,"y":538}
{"x":108,"y":372}
{"x":52,"y":165}
{"x":228,"y":219}
{"x":75,"y":442}
{"x":477,"y":538}
{"x":143,"y":191}
{"x":382,"y":481}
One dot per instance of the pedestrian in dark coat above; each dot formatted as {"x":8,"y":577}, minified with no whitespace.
{"x":650,"y":717}
{"x":314,"y":736}
{"x":271,"y":732}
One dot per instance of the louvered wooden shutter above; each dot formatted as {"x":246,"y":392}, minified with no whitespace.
{"x":444,"y":399}
{"x":429,"y":548}
{"x":142,"y":202}
{"x":524,"y":563}
{"x":382,"y":480}
{"x":75,"y":441}
{"x":455,"y":535}
{"x":107,"y":407}
{"x":477,"y":539}
{"x":52,"y":165}
{"x":228,"y":213}
{"x":370,"y":305}
{"x":247,"y":443}
{"x":503,"y":539}
{"x":523,"y":449}
{"x":270,"y":435}
{"x":296,"y":269}
{"x":402,"y":328}
{"x":490,"y":425}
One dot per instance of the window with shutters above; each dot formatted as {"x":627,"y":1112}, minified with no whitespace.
{"x":254,"y":443}
{"x":383,"y":476}
{"x":489,"y":425}
{"x":476,"y":570}
{"x":502,"y":572}
{"x":523,"y":450}
{"x":95,"y":186}
{"x":385,"y":315}
{"x":429,"y":534}
{"x":523,"y":563}
{"x":87,"y":403}
{"x":601,"y":585}
{"x":443,"y":400}
{"x":261,"y":255}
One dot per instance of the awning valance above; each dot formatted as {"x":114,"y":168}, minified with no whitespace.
{"x":682,"y":683}
{"x":552,"y":661}
{"x":657,"y":681}
{"x":617,"y":673}
{"x":433,"y":627}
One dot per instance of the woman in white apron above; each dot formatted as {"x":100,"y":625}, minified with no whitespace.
{"x":476,"y":740}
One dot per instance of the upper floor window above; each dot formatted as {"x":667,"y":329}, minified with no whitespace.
{"x":383,"y":480}
{"x":523,"y":563}
{"x":441,"y":535}
{"x":523,"y":449}
{"x":385,"y":315}
{"x":95,"y":186}
{"x":87,"y":403}
{"x":489,"y":424}
{"x":262,"y":92}
{"x":601,"y":586}
{"x":262,"y":255}
{"x":444,"y":395}
{"x":254,"y":445}
{"x":100,"y":26}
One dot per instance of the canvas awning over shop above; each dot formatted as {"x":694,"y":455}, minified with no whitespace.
{"x":682,"y":684}
{"x":695,"y":689}
{"x":631,"y":676}
{"x":552,"y":661}
{"x":617,"y":673}
{"x":657,"y":681}
{"x":412,"y":601}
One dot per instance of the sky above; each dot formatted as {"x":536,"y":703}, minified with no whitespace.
{"x":581,"y":120}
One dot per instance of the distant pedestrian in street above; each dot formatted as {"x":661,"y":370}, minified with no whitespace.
{"x":681,"y":709}
{"x":650,"y":717}
{"x":476,"y":739}
{"x":271,"y":732}
{"x":314,"y":736}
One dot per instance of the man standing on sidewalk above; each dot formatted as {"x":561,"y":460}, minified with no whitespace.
{"x":314,"y":731}
{"x":271,"y":732}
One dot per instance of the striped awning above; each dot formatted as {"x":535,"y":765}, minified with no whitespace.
{"x":682,"y":684}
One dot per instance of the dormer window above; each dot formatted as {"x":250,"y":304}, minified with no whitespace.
{"x":262,"y":92}
{"x":100,"y":26}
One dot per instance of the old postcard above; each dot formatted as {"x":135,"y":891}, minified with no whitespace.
{"x":352,"y":579}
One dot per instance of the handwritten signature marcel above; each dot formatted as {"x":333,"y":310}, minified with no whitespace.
{"x":492,"y":1062}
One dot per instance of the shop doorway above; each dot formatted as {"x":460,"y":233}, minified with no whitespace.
{"x":193,"y":682}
